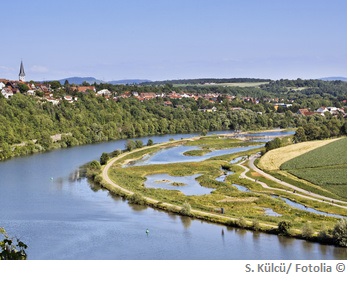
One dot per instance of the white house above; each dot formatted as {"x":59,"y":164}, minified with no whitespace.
{"x":105,"y":92}
{"x":2,"y":85}
{"x":7,"y":93}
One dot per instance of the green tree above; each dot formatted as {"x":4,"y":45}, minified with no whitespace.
{"x":130,"y":145}
{"x":11,"y":248}
{"x":273,"y":144}
{"x":138,"y":144}
{"x":339,"y":233}
{"x":104,"y":158}
{"x":300,"y":135}
{"x":23,"y":88}
{"x":149,"y":142}
{"x":307,"y":230}
{"x":284,"y":227}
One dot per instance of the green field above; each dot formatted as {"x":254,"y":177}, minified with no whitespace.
{"x":325,"y":166}
{"x":240,"y":84}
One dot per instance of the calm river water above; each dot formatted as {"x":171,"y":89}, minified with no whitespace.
{"x":59,"y":216}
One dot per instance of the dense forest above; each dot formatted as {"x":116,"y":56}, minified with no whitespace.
{"x":28,"y":123}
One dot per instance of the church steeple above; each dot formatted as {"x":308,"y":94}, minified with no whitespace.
{"x":21,"y":73}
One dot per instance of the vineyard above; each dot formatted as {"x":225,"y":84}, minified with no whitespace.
{"x":325,"y":166}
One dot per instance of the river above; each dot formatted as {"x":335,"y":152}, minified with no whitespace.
{"x":60,"y":216}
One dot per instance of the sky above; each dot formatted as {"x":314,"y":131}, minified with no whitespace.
{"x":173,"y":39}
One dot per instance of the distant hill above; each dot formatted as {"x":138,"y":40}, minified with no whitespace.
{"x":80,"y":80}
{"x":207,"y":81}
{"x":333,"y":78}
{"x":92,"y":80}
{"x":129,"y":81}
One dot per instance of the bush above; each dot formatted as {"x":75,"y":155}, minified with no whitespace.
{"x":136,"y":198}
{"x":94,"y":165}
{"x":130,"y":145}
{"x":256,"y":225}
{"x":284,"y":227}
{"x":149,"y":142}
{"x":11,"y":248}
{"x":186,"y":209}
{"x":307,"y":230}
{"x":98,"y":179}
{"x":242,"y":222}
{"x":339,"y":233}
{"x":116,"y":153}
{"x":104,"y":158}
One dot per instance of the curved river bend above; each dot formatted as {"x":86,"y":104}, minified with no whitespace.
{"x":61,"y":216}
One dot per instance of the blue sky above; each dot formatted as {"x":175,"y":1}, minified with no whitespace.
{"x":177,"y":39}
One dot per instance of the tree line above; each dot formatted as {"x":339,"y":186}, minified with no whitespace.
{"x":27,"y":123}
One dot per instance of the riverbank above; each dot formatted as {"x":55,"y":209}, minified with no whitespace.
{"x":174,"y":202}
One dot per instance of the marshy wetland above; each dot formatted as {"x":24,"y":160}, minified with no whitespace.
{"x":228,"y":197}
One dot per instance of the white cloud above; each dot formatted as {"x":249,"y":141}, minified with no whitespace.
{"x":39,"y":69}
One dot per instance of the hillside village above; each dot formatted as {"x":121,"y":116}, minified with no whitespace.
{"x":55,"y":93}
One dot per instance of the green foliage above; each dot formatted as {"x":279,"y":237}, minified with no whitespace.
{"x":300,"y":135}
{"x":256,"y":225}
{"x":284,"y":227}
{"x":136,"y":198}
{"x":186,"y":209}
{"x":94,"y":165}
{"x":273,"y":144}
{"x":307,"y":230}
{"x":130,"y":145}
{"x":149,"y":142}
{"x":93,"y":169}
{"x":23,"y":88}
{"x":339,"y":233}
{"x":91,"y":119}
{"x":138,"y":144}
{"x":241,"y":222}
{"x":104,"y":158}
{"x":11,"y":248}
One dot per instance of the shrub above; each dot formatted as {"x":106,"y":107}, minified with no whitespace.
{"x":136,"y":198}
{"x":104,"y":158}
{"x":11,"y":248}
{"x":256,"y":225}
{"x":307,"y":230}
{"x":242,"y":222}
{"x":98,"y":179}
{"x":149,"y":142}
{"x":116,"y":153}
{"x":339,"y":233}
{"x":186,"y":209}
{"x":284,"y":227}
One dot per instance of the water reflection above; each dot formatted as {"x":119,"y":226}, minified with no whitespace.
{"x":137,"y":207}
{"x":186,"y":221}
{"x":241,"y":188}
{"x":270,"y":212}
{"x":176,"y":154}
{"x":187,"y":185}
{"x":236,"y":160}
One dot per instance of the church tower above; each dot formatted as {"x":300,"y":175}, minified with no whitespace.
{"x":21,"y":73}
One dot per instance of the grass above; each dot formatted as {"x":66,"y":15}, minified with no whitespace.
{"x":325,"y":166}
{"x":198,"y":152}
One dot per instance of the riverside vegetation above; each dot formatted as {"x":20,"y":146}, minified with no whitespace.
{"x":29,"y":124}
{"x":240,"y":209}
